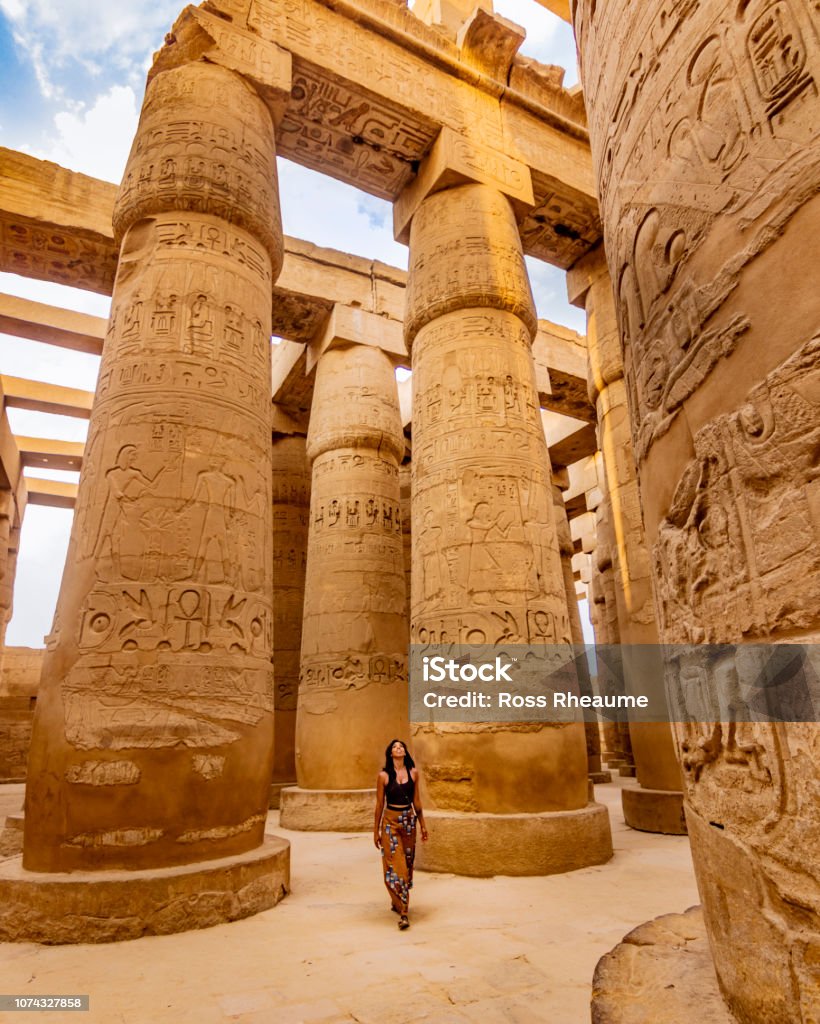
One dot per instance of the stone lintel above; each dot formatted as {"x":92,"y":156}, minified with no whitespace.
{"x":396,"y":83}
{"x":35,"y":396}
{"x":559,"y":7}
{"x":49,"y":454}
{"x":55,"y":224}
{"x":455,"y":160}
{"x":584,"y":273}
{"x":197,"y":35}
{"x":53,"y":493}
{"x":352,"y":326}
{"x":489,"y":42}
{"x":25,"y":318}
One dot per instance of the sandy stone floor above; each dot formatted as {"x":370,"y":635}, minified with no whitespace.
{"x":515,"y":950}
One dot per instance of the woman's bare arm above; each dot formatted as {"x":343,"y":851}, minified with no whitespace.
{"x":379,"y":808}
{"x":414,"y":773}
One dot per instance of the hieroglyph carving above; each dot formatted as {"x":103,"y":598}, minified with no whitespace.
{"x":744,"y":523}
{"x":725,"y":131}
{"x":163,"y":636}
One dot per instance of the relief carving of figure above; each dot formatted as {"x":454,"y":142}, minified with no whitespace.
{"x":126,"y":484}
{"x":217,"y":491}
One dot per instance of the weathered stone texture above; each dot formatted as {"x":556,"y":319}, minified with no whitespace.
{"x":353,"y":686}
{"x":19,"y":681}
{"x":160,"y":653}
{"x":704,"y":136}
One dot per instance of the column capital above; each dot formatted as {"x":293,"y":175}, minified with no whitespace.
{"x":197,"y":35}
{"x":457,"y":160}
{"x":349,"y":325}
{"x":583,"y":274}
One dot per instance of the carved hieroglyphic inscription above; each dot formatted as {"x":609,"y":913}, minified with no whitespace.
{"x":162,"y":644}
{"x":704,"y":131}
{"x":486,"y":565}
{"x":352,"y":689}
{"x":723,"y":106}
{"x":744,"y":523}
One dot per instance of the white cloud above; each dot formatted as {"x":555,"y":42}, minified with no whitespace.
{"x":57,"y":35}
{"x":96,"y":140}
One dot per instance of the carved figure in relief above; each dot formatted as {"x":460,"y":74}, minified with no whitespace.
{"x":200,"y":326}
{"x":132,"y":318}
{"x":433,"y":573}
{"x":714,"y":138}
{"x":487,"y":570}
{"x":217,"y":491}
{"x":126,"y":484}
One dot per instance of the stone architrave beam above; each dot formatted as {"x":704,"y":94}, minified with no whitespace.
{"x":36,"y":396}
{"x":38,"y":321}
{"x":373,"y":87}
{"x":54,"y":493}
{"x":351,"y":326}
{"x":559,"y":7}
{"x":48,"y":454}
{"x":55,"y":224}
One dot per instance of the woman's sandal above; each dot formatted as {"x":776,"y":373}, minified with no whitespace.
{"x":403,"y":922}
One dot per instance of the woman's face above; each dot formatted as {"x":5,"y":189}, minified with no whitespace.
{"x":397,"y":750}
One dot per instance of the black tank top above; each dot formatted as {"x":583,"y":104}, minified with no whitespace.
{"x":400,"y":794}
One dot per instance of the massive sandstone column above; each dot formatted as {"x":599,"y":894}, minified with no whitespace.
{"x":704,"y":122}
{"x":353,"y":688}
{"x":152,"y":742}
{"x":657,"y":805}
{"x":565,"y":549}
{"x":291,"y":506}
{"x":511,"y":798}
{"x":9,"y":546}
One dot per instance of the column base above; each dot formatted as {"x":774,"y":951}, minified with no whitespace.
{"x":615,"y":763}
{"x":600,"y":777}
{"x":327,"y":810}
{"x":654,"y":810}
{"x":628,"y":771}
{"x":276,"y":793}
{"x":482,"y":845}
{"x":110,"y":906}
{"x":660,"y":971}
{"x":11,"y":835}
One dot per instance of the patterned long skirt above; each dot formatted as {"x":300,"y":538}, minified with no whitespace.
{"x":398,"y":836}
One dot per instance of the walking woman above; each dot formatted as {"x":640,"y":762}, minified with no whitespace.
{"x":398,"y":806}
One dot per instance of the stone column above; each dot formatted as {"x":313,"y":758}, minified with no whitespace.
{"x":508,"y":799}
{"x":9,"y":545}
{"x":353,"y":687}
{"x":153,"y":737}
{"x":566,"y":550}
{"x":704,"y":127}
{"x":291,"y":507}
{"x":657,"y":805}
{"x":406,"y":524}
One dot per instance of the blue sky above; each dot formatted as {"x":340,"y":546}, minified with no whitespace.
{"x":72,"y":74}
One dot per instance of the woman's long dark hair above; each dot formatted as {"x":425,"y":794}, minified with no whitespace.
{"x":388,"y":760}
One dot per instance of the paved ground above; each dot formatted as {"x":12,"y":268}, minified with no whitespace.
{"x":517,"y":950}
